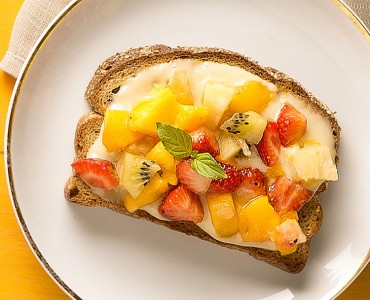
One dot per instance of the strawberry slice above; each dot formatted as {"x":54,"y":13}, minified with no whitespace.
{"x":291,"y":125}
{"x":229,"y":184}
{"x":204,"y":140}
{"x":190,"y":178}
{"x":182,"y":205}
{"x":97,"y":173}
{"x":269,"y":146}
{"x":286,"y":195}
{"x":253,"y":184}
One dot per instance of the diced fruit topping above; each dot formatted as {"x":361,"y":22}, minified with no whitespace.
{"x":223,"y":214}
{"x":252,"y":95}
{"x":269,"y":146}
{"x":287,"y":236}
{"x":248,"y":125}
{"x":291,"y":125}
{"x":137,"y":173}
{"x":230,"y":146}
{"x":179,"y":144}
{"x":252,"y":185}
{"x":154,"y":190}
{"x":142,"y":146}
{"x":166,"y":161}
{"x":182,"y":205}
{"x":204,"y":140}
{"x":286,"y":195}
{"x":159,"y":105}
{"x":191,"y":117}
{"x":313,"y":161}
{"x":117,"y":133}
{"x":258,"y":220}
{"x":97,"y":173}
{"x":179,"y":85}
{"x":191,"y":179}
{"x":217,"y":97}
{"x":229,"y":184}
{"x":161,"y":156}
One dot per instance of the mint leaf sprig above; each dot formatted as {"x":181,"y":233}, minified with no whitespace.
{"x":178,"y":143}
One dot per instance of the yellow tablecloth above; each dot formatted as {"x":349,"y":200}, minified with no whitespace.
{"x":21,"y":275}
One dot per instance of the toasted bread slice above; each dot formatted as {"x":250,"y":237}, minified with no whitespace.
{"x":115,"y":70}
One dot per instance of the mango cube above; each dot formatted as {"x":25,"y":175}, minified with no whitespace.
{"x":258,"y":220}
{"x":155,"y":189}
{"x":117,"y":133}
{"x":223,"y":214}
{"x":191,"y":117}
{"x":166,"y":162}
{"x":253,"y":95}
{"x":159,"y":105}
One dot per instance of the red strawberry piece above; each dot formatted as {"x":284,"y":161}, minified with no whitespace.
{"x":97,"y":173}
{"x":286,"y":195}
{"x":229,"y":184}
{"x":204,"y":140}
{"x":253,"y":184}
{"x":269,"y":146}
{"x":182,"y":205}
{"x":190,"y":178}
{"x":291,"y":125}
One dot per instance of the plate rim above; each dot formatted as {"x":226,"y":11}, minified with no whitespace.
{"x":341,"y":4}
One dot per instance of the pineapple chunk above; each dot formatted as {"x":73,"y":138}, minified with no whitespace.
{"x":155,"y":189}
{"x":159,"y":105}
{"x":217,"y":97}
{"x":191,"y":117}
{"x":312,"y":162}
{"x":258,"y":220}
{"x":179,"y":85}
{"x":253,"y":95}
{"x":116,"y":132}
{"x":223,"y":214}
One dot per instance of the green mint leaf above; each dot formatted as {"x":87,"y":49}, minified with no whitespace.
{"x":206,"y":165}
{"x":177,"y":142}
{"x":193,"y":153}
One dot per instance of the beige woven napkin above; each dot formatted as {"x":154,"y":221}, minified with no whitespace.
{"x":362,"y":10}
{"x":35,"y":15}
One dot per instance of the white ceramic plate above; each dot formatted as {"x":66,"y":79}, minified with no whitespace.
{"x":94,"y":253}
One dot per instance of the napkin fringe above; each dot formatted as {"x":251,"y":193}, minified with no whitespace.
{"x":11,"y":63}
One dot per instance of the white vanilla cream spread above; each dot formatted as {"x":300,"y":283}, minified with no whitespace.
{"x":318,"y":128}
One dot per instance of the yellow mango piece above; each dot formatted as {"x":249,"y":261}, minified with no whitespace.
{"x":253,"y":96}
{"x":155,"y":189}
{"x":159,"y":105}
{"x":179,"y":85}
{"x":143,"y":146}
{"x":170,"y":176}
{"x":223,"y":214}
{"x":117,"y":133}
{"x":166,"y":161}
{"x":161,"y":156}
{"x":191,"y":117}
{"x":240,"y":202}
{"x":258,"y":220}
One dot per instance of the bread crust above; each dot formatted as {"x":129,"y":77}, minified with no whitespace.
{"x":121,"y":66}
